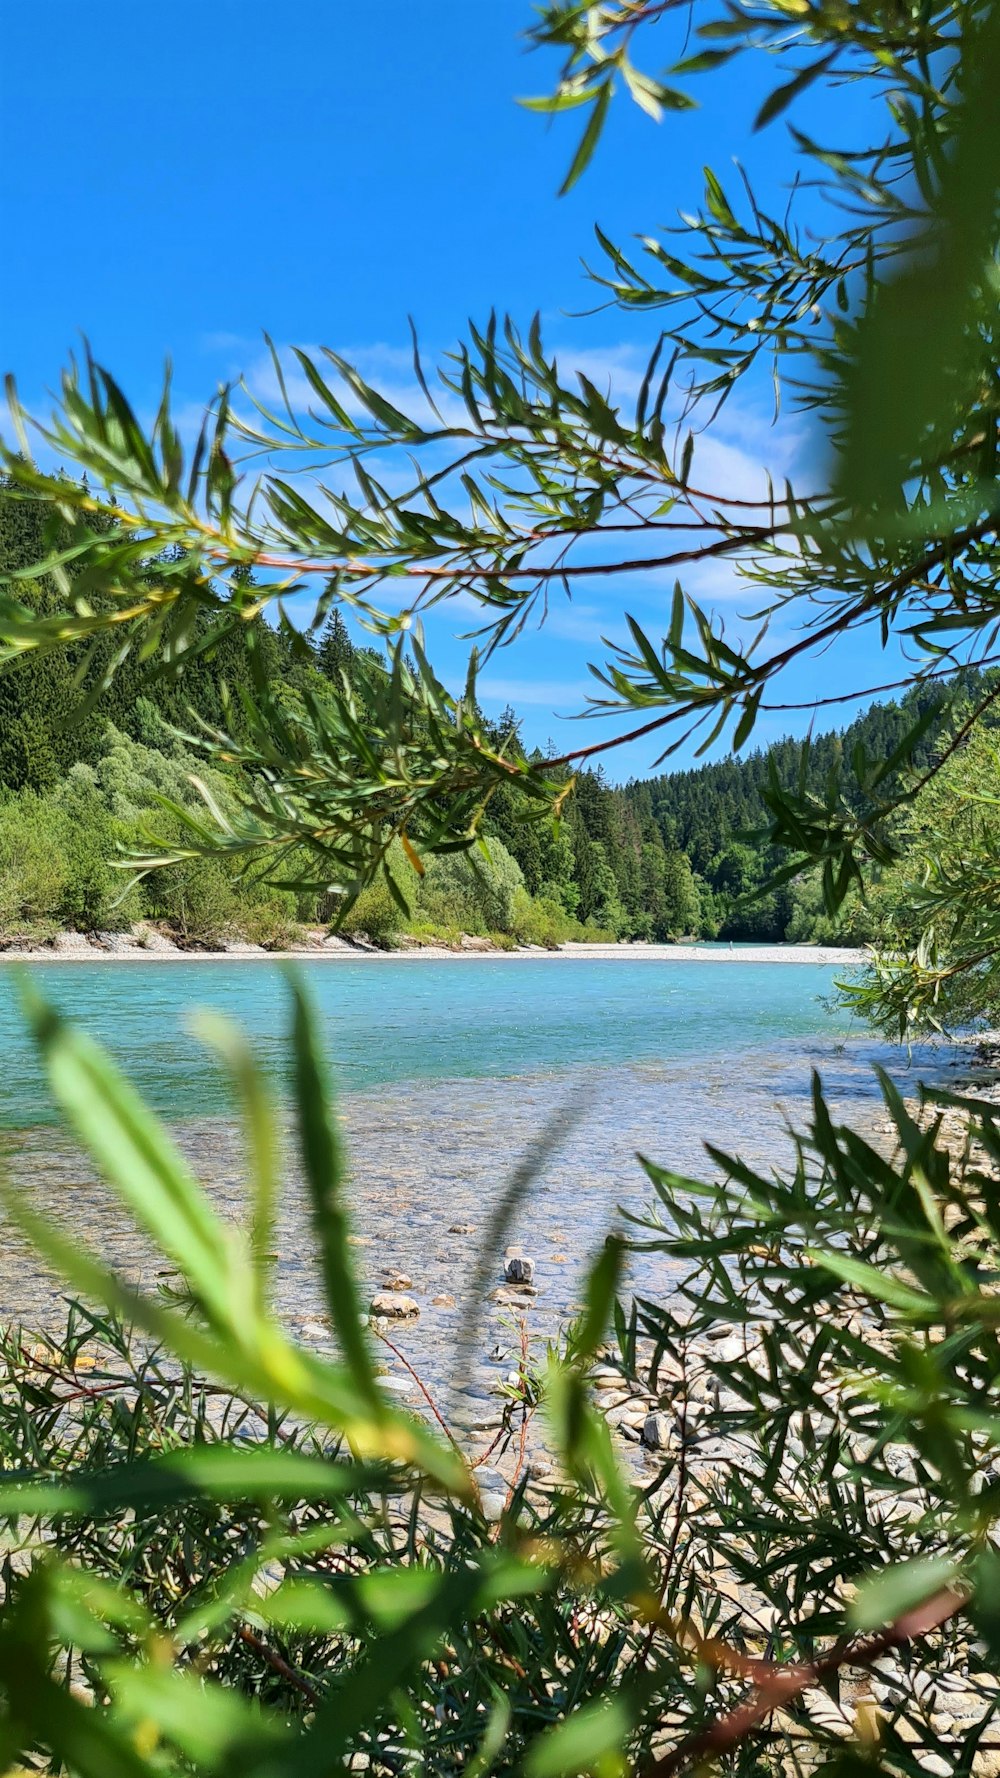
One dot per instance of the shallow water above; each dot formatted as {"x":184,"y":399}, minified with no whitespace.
{"x":447,"y":1071}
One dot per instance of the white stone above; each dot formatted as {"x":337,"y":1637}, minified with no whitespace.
{"x":398,"y":1385}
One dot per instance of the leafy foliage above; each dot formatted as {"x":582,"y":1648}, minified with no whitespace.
{"x":935,"y":966}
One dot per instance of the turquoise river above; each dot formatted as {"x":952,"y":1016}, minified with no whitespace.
{"x":444,"y":1072}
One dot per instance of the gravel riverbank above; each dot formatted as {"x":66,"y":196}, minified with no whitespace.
{"x":148,"y":945}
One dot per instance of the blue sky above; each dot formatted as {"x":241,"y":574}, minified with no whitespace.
{"x":176,"y":183}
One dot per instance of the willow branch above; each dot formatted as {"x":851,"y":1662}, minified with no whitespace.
{"x":864,"y":607}
{"x":777,"y":1685}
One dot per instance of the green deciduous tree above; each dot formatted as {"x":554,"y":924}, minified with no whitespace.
{"x":936,"y":925}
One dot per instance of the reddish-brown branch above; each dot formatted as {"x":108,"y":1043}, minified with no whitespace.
{"x":421,"y":1385}
{"x":525,"y":1418}
{"x":776,"y":1686}
{"x":484,"y":1456}
{"x":874,"y":691}
{"x":278,"y":1663}
{"x":678,"y":1512}
{"x":352,"y":570}
{"x":862,"y":608}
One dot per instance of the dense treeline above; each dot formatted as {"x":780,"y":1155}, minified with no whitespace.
{"x":678,"y":853}
{"x":84,"y":778}
{"x":712,"y":813}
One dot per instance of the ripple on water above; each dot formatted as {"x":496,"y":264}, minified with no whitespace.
{"x":427,"y":1155}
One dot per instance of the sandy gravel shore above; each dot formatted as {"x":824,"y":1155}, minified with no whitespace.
{"x":76,"y":947}
{"x":695,"y":953}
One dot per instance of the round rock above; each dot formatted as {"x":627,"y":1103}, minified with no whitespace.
{"x":397,"y":1385}
{"x":394,"y":1306}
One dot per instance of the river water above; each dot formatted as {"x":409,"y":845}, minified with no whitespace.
{"x":445,"y":1071}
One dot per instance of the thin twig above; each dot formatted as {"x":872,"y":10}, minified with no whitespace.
{"x":526,"y":1413}
{"x":350,"y":569}
{"x":278,"y":1663}
{"x":777,"y":1685}
{"x":863,"y":607}
{"x":422,"y":1386}
{"x":678,"y":1516}
{"x":873,"y":691}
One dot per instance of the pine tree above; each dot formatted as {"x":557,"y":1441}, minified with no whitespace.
{"x":335,"y":650}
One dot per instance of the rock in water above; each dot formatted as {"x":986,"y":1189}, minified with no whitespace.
{"x":519,"y":1270}
{"x":393,"y":1306}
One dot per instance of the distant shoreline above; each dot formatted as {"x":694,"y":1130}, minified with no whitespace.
{"x":76,"y":948}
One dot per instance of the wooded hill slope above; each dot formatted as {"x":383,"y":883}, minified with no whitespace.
{"x":83,"y":778}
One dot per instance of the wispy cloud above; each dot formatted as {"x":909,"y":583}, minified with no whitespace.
{"x":562,"y":696}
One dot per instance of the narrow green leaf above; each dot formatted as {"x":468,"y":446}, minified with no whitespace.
{"x":883,"y":1597}
{"x":783,"y":96}
{"x":260,"y":1133}
{"x":590,"y":138}
{"x":134,"y":1153}
{"x":221,"y":1472}
{"x":878,"y":1284}
{"x":323,"y":1161}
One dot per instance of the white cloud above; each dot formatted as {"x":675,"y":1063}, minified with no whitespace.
{"x":732,"y":458}
{"x":570,"y":693}
{"x":582,"y":623}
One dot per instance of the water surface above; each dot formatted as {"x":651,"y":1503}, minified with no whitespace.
{"x":418,"y":1020}
{"x":446,"y":1071}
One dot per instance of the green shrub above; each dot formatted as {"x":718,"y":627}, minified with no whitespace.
{"x":541,"y":920}
{"x":374,"y":912}
{"x":237,"y":1556}
{"x":197,"y":898}
{"x":91,"y":840}
{"x":470,"y":892}
{"x":32,"y":863}
{"x":268,"y":919}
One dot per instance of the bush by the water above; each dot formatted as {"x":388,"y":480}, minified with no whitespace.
{"x":63,"y":855}
{"x":229,"y":1554}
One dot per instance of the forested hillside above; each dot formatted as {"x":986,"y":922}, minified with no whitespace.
{"x":86,"y":773}
{"x":708,"y":814}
